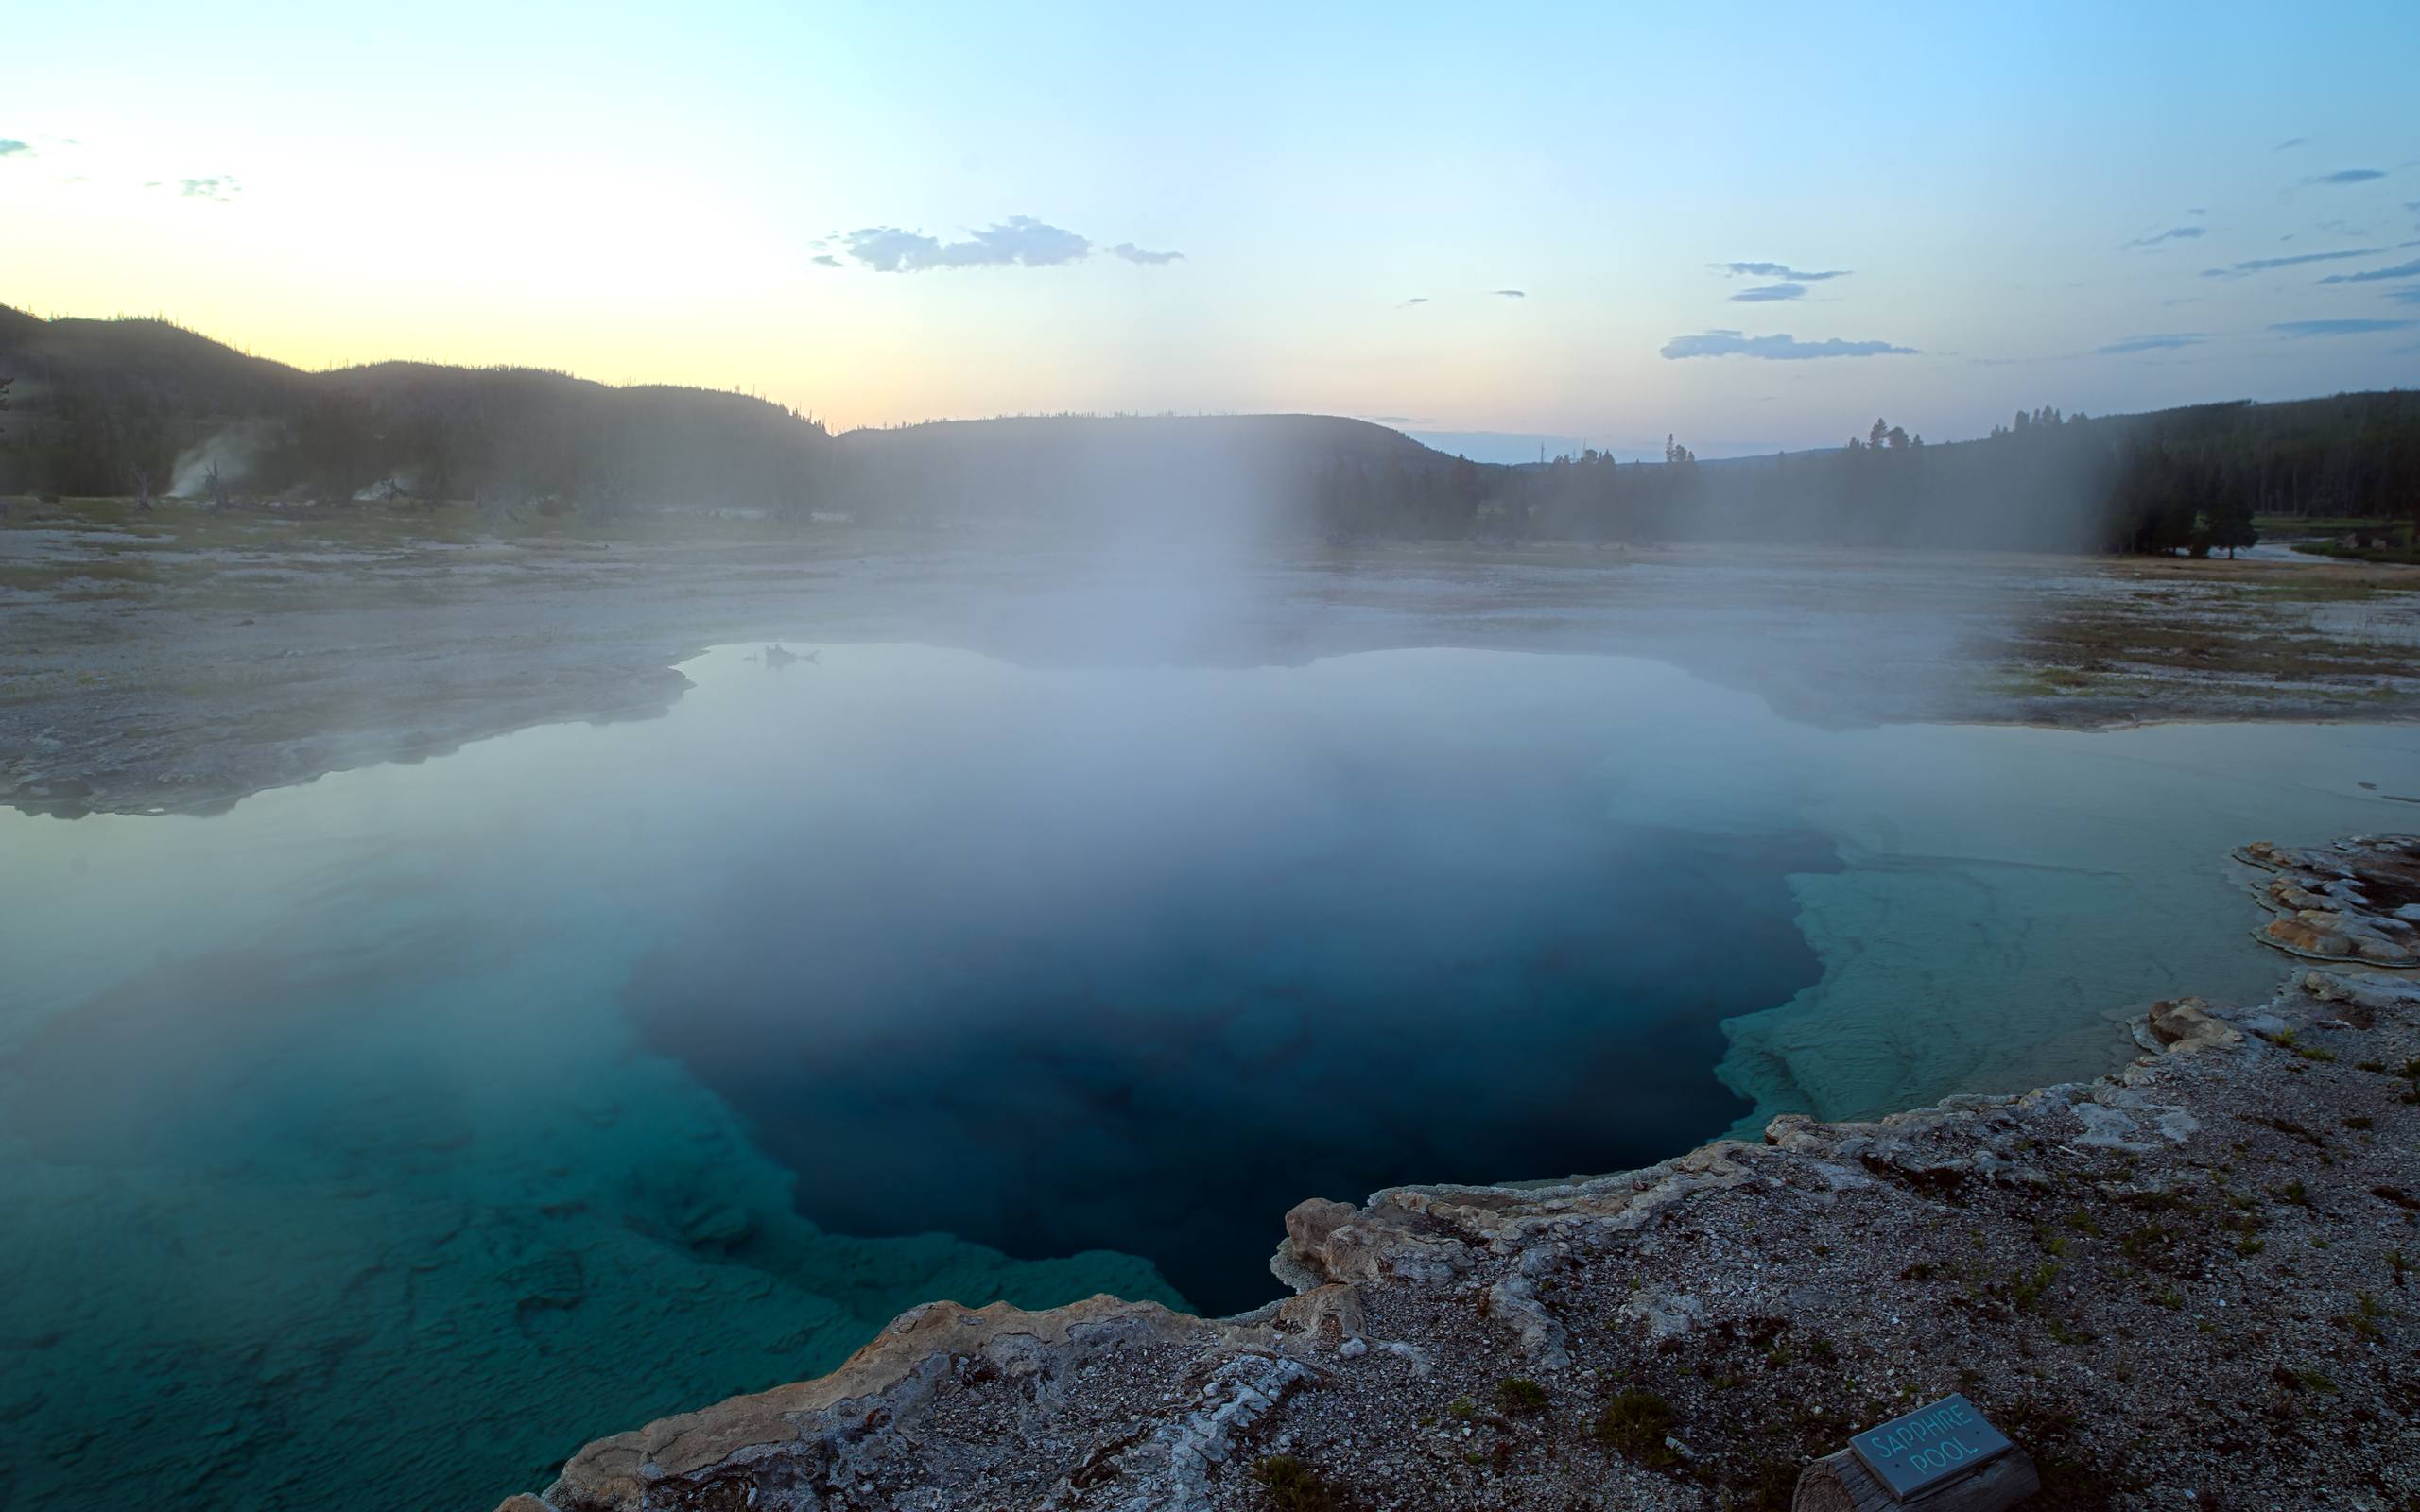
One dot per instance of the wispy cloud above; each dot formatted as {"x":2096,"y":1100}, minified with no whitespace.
{"x":2299,"y":328}
{"x":2347,"y":175}
{"x":2177,"y":233}
{"x":1776,"y":349}
{"x":10,"y":147}
{"x":1417,"y":299}
{"x":220,"y":188}
{"x":824,"y":260}
{"x":2158,"y":343}
{"x":1019,"y":241}
{"x":2262,"y":265}
{"x":2409,"y":296}
{"x":2290,"y":144}
{"x":1137,"y":255}
{"x":1781,"y":271}
{"x":1512,"y":294}
{"x":1765,"y":293}
{"x":2374,"y":275}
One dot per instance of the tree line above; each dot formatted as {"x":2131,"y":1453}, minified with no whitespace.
{"x":140,"y":408}
{"x":2182,"y":480}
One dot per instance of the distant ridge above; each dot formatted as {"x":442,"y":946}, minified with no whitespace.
{"x":135,"y":406}
{"x":104,"y":406}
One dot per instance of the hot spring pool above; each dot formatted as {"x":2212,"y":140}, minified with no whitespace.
{"x":379,"y":1142}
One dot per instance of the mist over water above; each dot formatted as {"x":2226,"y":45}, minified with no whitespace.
{"x":1135,"y":961}
{"x":391,"y":1135}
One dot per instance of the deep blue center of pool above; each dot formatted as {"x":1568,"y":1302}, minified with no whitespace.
{"x":1158,"y":1042}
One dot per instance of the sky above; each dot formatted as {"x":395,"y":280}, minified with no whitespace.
{"x":1753,"y":227}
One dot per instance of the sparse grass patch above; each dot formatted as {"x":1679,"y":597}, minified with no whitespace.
{"x":2292,"y":1130}
{"x":2025,"y":1290}
{"x":2368,"y":1313}
{"x":1294,"y":1486}
{"x":1637,"y":1423}
{"x":2152,"y":1247}
{"x":1520,"y":1396}
{"x":38,"y":576}
{"x":2063,"y":1332}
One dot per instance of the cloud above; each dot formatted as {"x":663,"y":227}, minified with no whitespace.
{"x":1776,"y":349}
{"x":1142,"y":259}
{"x":1765,"y":292}
{"x":1019,"y":241}
{"x":2262,"y":265}
{"x":10,"y":147}
{"x":1780,"y":271}
{"x":1417,"y":299}
{"x":2160,"y":343}
{"x":2373,"y":275}
{"x":2347,"y":175}
{"x":219,"y":188}
{"x":2409,"y":296}
{"x":2177,"y":233}
{"x":824,"y":260}
{"x":1512,"y":294}
{"x":2299,"y":328}
{"x":2290,"y":144}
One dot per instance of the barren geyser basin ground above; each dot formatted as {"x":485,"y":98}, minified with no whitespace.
{"x":379,"y":1139}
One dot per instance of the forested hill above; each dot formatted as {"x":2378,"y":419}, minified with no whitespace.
{"x":2175,"y":479}
{"x":109,"y":407}
{"x":1234,"y":476}
{"x":137,"y":408}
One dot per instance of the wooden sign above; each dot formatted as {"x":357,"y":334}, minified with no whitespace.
{"x":1911,"y":1455}
{"x":1943,"y":1457}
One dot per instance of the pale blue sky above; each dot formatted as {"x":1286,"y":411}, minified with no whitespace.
{"x":643,"y":192}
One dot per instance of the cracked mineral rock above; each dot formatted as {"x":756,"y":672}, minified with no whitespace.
{"x":2357,"y":900}
{"x":2186,"y":1283}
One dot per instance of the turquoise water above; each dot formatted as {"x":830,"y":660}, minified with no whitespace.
{"x":376,"y":1143}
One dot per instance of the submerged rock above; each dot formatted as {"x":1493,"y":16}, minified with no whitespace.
{"x":2226,"y":1227}
{"x":720,"y":1228}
